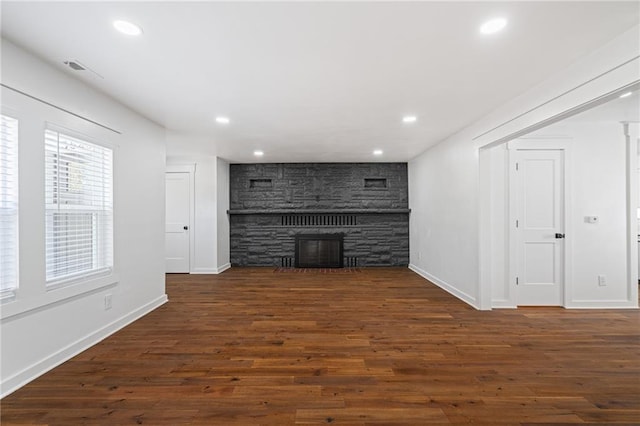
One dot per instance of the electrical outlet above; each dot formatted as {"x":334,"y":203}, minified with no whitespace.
{"x":107,"y":302}
{"x":602,"y":280}
{"x":419,"y":255}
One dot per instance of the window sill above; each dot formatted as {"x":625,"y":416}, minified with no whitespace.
{"x":20,"y":306}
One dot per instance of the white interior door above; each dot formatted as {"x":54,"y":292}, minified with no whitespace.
{"x":177,"y":229}
{"x":540,"y":227}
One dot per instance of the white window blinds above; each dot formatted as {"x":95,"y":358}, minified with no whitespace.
{"x":8,"y":206}
{"x":79,"y":207}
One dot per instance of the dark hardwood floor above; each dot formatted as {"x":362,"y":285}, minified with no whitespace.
{"x":380,"y":346}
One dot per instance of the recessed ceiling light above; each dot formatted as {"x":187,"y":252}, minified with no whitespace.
{"x":128,"y":28}
{"x":222,"y":120}
{"x":409,"y":119}
{"x":377,"y":152}
{"x":493,"y":26}
{"x":626,"y":95}
{"x":258,"y":153}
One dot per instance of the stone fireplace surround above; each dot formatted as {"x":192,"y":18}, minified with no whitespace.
{"x":367,"y":203}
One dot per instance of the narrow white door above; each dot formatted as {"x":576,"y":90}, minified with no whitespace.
{"x":177,"y":227}
{"x":540,"y":227}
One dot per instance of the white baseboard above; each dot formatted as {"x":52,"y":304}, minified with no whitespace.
{"x":470,"y":300}
{"x":601,"y":304}
{"x":208,"y":271}
{"x":204,"y":271}
{"x":223,"y":268}
{"x":576,"y":304}
{"x":15,"y":382}
{"x":502,"y":304}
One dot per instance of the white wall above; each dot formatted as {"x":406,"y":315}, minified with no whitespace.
{"x":443,"y":229}
{"x":223,"y":236}
{"x":211,"y":181}
{"x":501,"y":293}
{"x":205,"y":228}
{"x":41,"y":329}
{"x":449,"y":242}
{"x":598,"y":182}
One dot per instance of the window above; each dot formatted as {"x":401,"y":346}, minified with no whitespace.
{"x":8,"y":206}
{"x":79,"y":208}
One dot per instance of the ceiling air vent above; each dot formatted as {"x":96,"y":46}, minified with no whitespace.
{"x":78,"y":66}
{"x":74,"y":65}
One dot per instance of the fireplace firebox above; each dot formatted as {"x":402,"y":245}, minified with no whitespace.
{"x":319,"y":251}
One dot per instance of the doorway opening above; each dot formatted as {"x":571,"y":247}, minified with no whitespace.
{"x":179,"y":211}
{"x":586,"y":254}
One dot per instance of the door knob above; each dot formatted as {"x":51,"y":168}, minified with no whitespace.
{"x":186,"y":228}
{"x":559,"y":236}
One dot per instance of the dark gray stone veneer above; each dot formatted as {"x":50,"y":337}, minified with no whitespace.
{"x":367,"y":202}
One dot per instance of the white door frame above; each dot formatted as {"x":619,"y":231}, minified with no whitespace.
{"x":191,"y":169}
{"x":631,"y":133}
{"x":540,"y":143}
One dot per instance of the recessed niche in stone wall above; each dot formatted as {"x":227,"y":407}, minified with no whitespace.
{"x":261,"y":183}
{"x":375,"y":183}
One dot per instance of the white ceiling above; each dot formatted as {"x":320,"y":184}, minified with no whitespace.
{"x":315,"y":81}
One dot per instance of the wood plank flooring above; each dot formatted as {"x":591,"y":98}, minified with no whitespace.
{"x":380,"y":346}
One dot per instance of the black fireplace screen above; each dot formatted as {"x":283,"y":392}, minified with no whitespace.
{"x":319,"y":251}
